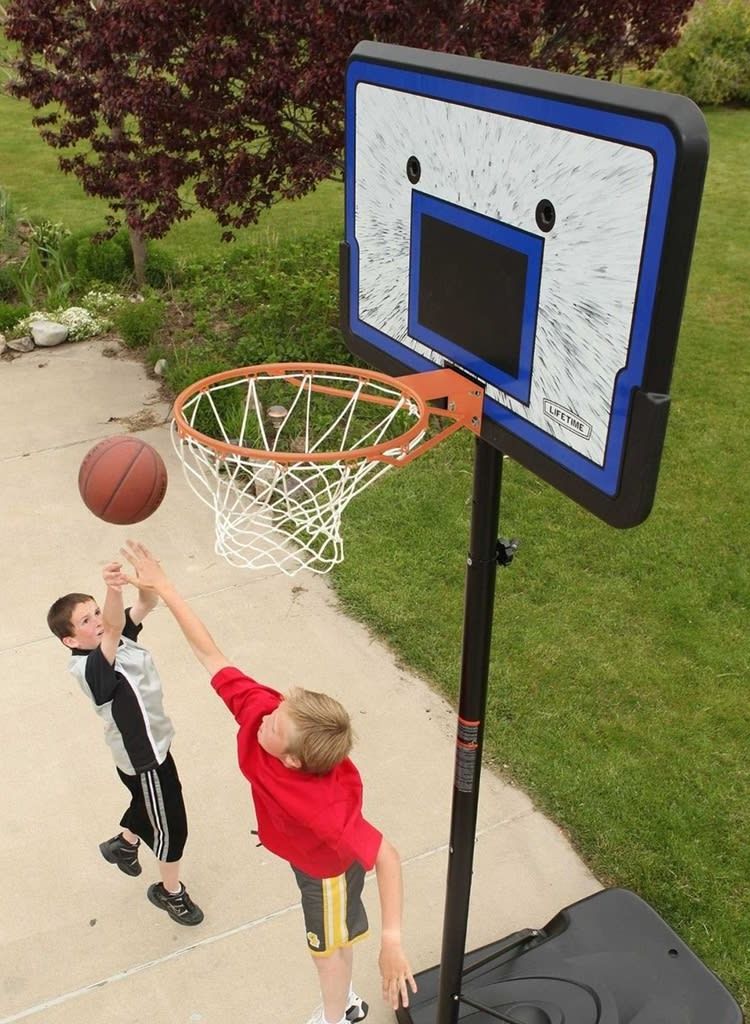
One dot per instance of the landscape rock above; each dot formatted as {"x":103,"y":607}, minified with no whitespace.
{"x":47,"y":333}
{"x":24,"y":344}
{"x":160,"y":367}
{"x":3,"y":344}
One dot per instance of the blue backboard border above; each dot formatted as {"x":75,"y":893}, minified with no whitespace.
{"x":670,"y":126}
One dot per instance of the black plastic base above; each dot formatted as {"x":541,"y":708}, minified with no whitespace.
{"x":608,"y":959}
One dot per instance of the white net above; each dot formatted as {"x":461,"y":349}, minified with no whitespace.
{"x":274,"y":505}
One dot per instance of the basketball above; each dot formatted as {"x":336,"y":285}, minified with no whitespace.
{"x":122,"y":480}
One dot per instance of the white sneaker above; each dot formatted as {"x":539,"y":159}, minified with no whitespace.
{"x":355,"y":1011}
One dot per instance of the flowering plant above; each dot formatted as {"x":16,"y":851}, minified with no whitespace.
{"x":81,"y":323}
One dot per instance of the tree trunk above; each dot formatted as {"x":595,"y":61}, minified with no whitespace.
{"x":137,"y":241}
{"x":138,"y":248}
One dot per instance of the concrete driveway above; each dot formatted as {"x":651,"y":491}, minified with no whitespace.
{"x":80,"y":943}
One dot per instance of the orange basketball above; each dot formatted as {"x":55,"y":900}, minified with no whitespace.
{"x":122,"y":480}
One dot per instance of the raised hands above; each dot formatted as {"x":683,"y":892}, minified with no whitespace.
{"x":113,"y":576}
{"x":149,"y":574}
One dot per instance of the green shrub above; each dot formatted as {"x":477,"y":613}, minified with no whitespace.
{"x":104,"y":261}
{"x":10,"y":314}
{"x":91,"y":261}
{"x":122,"y":239}
{"x":162,"y":269}
{"x":69,"y":248}
{"x":711,"y":62}
{"x":8,"y":289}
{"x":138,"y":322}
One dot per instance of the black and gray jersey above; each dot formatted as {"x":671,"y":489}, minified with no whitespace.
{"x":127,"y":697}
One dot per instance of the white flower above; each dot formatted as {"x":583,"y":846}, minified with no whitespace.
{"x":81,"y":323}
{"x":101,"y":301}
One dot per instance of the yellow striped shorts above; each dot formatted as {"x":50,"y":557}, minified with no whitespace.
{"x":334,"y":913}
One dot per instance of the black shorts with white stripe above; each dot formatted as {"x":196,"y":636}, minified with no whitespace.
{"x":157,"y":810}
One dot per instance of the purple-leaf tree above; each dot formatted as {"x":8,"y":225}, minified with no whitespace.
{"x":231,"y":105}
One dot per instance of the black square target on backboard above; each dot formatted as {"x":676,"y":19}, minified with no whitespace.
{"x":534,"y":232}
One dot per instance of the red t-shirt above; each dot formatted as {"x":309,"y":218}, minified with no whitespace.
{"x":313,"y":821}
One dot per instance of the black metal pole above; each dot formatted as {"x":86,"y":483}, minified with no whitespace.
{"x":478,"y":610}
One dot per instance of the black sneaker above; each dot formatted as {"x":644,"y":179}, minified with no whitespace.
{"x":179,"y":906}
{"x":356,"y":1010}
{"x":120,"y":852}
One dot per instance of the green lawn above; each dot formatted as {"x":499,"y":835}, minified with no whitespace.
{"x":618,"y":684}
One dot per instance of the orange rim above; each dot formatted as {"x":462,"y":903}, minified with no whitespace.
{"x":377,"y":451}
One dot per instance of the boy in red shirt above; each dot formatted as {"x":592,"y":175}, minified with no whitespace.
{"x":308,"y":803}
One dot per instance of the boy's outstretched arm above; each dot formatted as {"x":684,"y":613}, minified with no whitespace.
{"x":395,"y":971}
{"x":113,"y":611}
{"x":151,"y":577}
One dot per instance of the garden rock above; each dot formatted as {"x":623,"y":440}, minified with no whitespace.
{"x":3,"y":344}
{"x":24,"y":344}
{"x":160,"y":367}
{"x":47,"y":333}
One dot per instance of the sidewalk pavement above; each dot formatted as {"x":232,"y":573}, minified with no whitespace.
{"x":80,"y":943}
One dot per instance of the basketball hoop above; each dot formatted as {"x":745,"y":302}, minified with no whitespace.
{"x":278,"y":451}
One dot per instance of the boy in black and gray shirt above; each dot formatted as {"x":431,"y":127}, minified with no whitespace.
{"x":120,"y":679}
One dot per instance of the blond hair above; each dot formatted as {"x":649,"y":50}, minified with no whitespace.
{"x":321,"y":734}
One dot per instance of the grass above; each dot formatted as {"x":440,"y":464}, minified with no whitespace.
{"x":618,"y":683}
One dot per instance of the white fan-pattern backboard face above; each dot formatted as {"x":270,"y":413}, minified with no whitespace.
{"x":532,"y":231}
{"x":502,"y":167}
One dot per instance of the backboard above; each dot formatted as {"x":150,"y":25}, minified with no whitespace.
{"x":534,"y":232}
